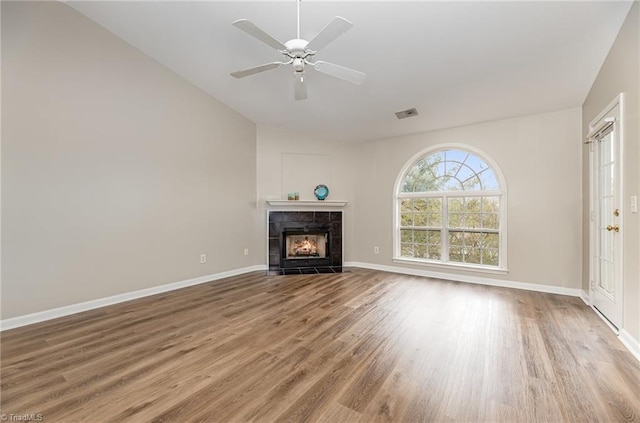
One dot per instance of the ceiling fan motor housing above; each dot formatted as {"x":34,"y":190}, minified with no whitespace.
{"x":297,"y":46}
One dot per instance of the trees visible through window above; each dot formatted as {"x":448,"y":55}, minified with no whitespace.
{"x":449,"y":210}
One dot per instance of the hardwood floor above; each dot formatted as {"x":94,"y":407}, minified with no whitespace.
{"x":360,"y":346}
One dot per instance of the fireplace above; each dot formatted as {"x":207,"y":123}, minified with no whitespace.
{"x":305,"y":242}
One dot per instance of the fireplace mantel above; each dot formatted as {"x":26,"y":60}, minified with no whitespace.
{"x":292,"y":204}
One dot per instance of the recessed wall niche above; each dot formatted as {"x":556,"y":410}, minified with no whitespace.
{"x":303,"y":172}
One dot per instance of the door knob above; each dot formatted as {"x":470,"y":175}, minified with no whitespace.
{"x":615,"y":228}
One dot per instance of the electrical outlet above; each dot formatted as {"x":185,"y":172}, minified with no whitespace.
{"x":376,"y":250}
{"x":203,"y":258}
{"x":246,"y":251}
{"x":634,"y":204}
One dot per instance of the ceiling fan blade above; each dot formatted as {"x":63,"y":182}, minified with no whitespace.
{"x":256,"y":69}
{"x":300,"y":89}
{"x":251,"y":29}
{"x":340,"y":72}
{"x":333,"y":30}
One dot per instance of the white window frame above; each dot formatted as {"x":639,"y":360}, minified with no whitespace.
{"x":500,"y":193}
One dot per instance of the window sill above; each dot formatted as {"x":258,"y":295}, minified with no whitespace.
{"x":453,"y":266}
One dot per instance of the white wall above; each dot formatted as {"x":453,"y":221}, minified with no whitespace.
{"x":275,"y":150}
{"x":540,"y":157}
{"x":116,"y":173}
{"x":620,"y":73}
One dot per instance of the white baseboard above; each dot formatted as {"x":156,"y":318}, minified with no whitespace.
{"x":585,"y":297}
{"x":41,"y":316}
{"x":632,"y":344}
{"x":573,"y":292}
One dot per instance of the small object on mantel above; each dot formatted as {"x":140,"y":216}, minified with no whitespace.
{"x":321,"y":192}
{"x":297,"y":196}
{"x":291,"y":196}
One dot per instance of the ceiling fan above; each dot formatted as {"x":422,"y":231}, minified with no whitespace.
{"x":300,"y":53}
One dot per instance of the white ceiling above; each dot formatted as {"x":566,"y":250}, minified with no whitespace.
{"x":456,"y":62}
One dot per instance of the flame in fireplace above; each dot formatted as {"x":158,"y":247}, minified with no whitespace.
{"x":304,"y":247}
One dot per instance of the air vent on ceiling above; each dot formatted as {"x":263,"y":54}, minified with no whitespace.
{"x":407,"y":113}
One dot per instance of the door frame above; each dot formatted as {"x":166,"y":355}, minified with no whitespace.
{"x":594,"y":207}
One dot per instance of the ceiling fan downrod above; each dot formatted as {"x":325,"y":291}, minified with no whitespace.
{"x":298,"y":3}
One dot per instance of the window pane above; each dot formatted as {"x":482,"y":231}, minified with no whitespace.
{"x":490,"y":204}
{"x":406,"y":235}
{"x":490,"y":257}
{"x":456,"y":205}
{"x":489,"y":180}
{"x":419,"y":220}
{"x":450,"y":184}
{"x":420,"y":205}
{"x":434,"y":205}
{"x":406,"y":250}
{"x":456,"y":220}
{"x":472,"y":255}
{"x":465,"y":173}
{"x":433,"y":237}
{"x":456,"y":238}
{"x":420,"y":251}
{"x":452,"y":167}
{"x":490,"y":221}
{"x":455,"y":254}
{"x":472,"y":239}
{"x":491,"y":241}
{"x":473,"y":220}
{"x":433,"y":252}
{"x":473,"y":204}
{"x":406,"y":219}
{"x":405,"y":205}
{"x":472,"y":184}
{"x":438,"y":167}
{"x":475,"y":163}
{"x":420,"y":237}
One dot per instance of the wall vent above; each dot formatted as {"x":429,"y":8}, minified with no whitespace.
{"x":407,"y":113}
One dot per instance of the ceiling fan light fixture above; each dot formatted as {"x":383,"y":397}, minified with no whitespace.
{"x":298,"y":65}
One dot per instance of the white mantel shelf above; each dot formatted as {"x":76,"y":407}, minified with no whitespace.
{"x":307,"y":204}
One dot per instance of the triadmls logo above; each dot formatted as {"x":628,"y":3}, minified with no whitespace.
{"x":28,"y":417}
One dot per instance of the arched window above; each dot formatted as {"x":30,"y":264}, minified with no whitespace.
{"x":450,"y":210}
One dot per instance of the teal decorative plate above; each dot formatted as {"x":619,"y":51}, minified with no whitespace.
{"x":321,"y":192}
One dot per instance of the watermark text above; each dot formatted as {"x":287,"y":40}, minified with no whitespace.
{"x":27,"y":417}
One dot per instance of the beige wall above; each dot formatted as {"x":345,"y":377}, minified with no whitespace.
{"x":540,"y":157}
{"x":116,"y":173}
{"x":620,"y":73}
{"x":331,"y":163}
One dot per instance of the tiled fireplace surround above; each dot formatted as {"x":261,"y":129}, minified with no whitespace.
{"x":280,"y":221}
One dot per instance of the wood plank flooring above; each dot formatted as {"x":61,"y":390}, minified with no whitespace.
{"x":360,"y":346}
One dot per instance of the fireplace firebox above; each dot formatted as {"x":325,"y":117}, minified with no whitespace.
{"x":306,"y":247}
